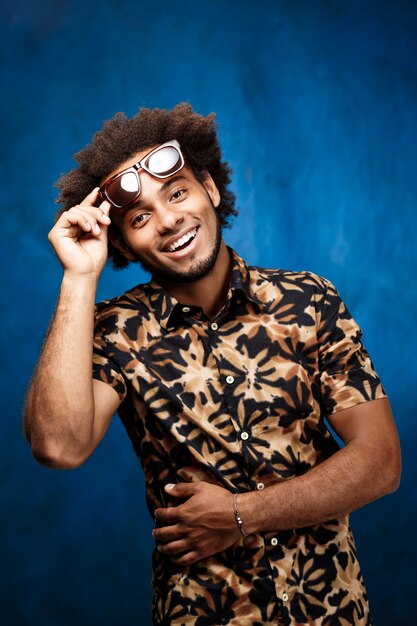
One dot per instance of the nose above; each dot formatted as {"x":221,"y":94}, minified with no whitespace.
{"x":168,"y":219}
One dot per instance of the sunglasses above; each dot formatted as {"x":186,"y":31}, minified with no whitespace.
{"x":123,"y":188}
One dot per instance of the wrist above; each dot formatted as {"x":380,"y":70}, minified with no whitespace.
{"x":238,"y":519}
{"x":78,"y":290}
{"x":246,"y":507}
{"x":80,"y":281}
{"x":249,"y":507}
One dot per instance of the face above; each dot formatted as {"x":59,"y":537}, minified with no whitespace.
{"x":173,"y":229}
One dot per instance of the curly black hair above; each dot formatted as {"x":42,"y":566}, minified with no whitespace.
{"x":122,"y":137}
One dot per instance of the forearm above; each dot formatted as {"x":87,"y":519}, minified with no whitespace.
{"x":348,"y":480}
{"x":59,"y":413}
{"x":368,"y":467}
{"x":204,"y":524}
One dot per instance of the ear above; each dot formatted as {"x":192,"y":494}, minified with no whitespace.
{"x":211,"y":188}
{"x":120,"y":243}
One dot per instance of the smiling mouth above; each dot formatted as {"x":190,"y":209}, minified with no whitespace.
{"x":182,"y":242}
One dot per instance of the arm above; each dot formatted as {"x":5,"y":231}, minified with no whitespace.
{"x":365,"y":469}
{"x":66,"y":412}
{"x":368,"y":467}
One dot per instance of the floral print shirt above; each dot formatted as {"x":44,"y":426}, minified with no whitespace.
{"x":241,"y":400}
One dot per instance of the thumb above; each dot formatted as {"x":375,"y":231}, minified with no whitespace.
{"x":180,"y":490}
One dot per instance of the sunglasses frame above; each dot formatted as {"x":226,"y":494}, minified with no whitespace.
{"x":141,"y":165}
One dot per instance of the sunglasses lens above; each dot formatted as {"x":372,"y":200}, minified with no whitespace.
{"x":124,"y":189}
{"x":164,"y":162}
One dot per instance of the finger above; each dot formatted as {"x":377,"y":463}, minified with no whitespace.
{"x":168,"y":533}
{"x":181,"y":490}
{"x":105,"y":207}
{"x":75,"y":218}
{"x":92,"y":197}
{"x":90,"y":218}
{"x":101,"y":216}
{"x":101,"y":212}
{"x":173,"y":547}
{"x":169,"y":515}
{"x":188,"y":559}
{"x":90,"y":211}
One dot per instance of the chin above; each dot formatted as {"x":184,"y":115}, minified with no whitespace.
{"x":200,"y":269}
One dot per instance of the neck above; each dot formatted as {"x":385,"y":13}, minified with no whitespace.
{"x":210,"y":292}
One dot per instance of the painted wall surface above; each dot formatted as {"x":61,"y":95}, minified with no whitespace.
{"x":316,"y":103}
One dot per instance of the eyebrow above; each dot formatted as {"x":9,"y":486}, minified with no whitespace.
{"x":126,"y":210}
{"x":171,"y":181}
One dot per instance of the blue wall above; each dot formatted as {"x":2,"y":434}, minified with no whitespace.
{"x":317,"y":109}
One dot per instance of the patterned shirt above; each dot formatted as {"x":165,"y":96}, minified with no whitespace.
{"x":240,"y":401}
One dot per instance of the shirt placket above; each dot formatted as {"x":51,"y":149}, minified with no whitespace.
{"x":229,"y":382}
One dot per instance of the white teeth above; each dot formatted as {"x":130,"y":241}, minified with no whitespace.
{"x":182,"y":240}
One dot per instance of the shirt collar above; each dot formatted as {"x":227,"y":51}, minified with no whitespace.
{"x":169,"y":311}
{"x":242,"y":279}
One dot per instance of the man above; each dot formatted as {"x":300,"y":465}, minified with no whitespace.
{"x":222,"y":375}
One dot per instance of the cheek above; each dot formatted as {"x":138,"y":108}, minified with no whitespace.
{"x":132,"y":240}
{"x":140,"y":242}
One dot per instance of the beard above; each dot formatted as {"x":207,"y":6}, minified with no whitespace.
{"x":198,"y":271}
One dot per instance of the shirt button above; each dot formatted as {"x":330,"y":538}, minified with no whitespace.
{"x":244,"y":435}
{"x":274,"y":541}
{"x":260,"y":486}
{"x":186,"y":309}
{"x":214,"y":326}
{"x":284,"y":597}
{"x":230,"y":380}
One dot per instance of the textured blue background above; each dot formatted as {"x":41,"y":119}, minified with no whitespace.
{"x":317,"y":109}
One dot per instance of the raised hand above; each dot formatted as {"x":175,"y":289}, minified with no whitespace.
{"x":199,"y":527}
{"x":79,"y":237}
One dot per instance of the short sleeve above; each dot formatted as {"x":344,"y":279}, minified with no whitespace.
{"x":105,"y":362}
{"x":347,"y":375}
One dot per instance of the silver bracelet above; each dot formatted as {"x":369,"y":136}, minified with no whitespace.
{"x":239,"y":521}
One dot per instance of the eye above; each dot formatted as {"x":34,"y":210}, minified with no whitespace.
{"x":139,"y":219}
{"x":176,"y":195}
